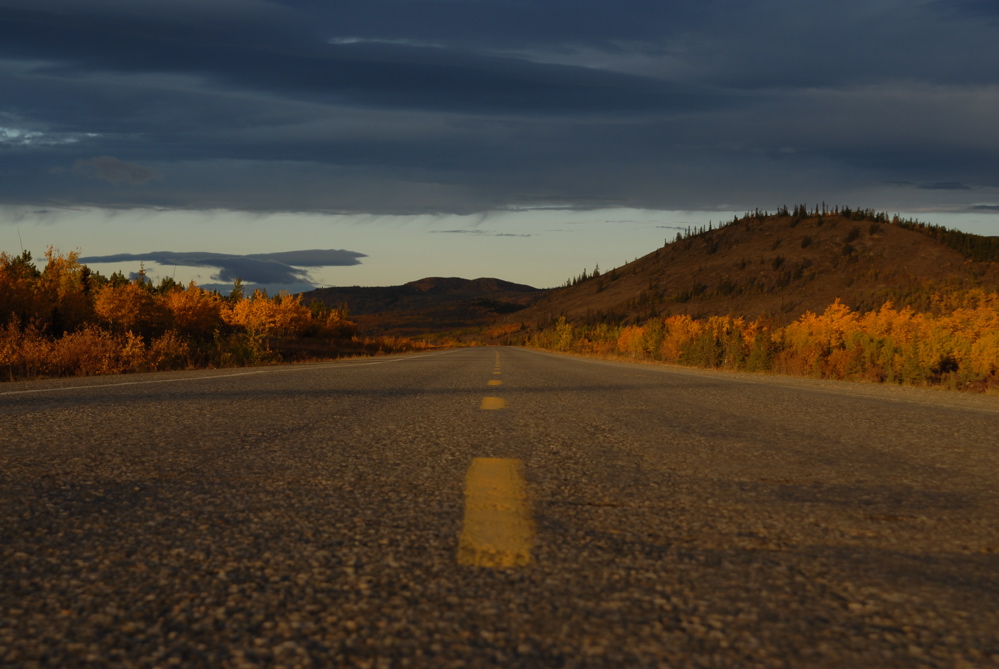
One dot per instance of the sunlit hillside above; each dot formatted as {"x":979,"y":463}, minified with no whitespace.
{"x":839,"y":295}
{"x":781,"y":266}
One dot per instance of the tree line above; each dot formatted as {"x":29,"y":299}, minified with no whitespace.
{"x":956,"y":346}
{"x":64,"y":319}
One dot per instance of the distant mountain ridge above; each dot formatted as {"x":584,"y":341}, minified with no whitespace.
{"x":475,"y":287}
{"x":431,"y":304}
{"x":422,"y":293}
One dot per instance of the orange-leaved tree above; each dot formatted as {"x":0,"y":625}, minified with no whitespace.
{"x":283,"y":315}
{"x":194,"y":311}
{"x":18,"y":279}
{"x":132,"y":307}
{"x":63,"y":290}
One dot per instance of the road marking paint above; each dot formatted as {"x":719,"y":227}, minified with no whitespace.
{"x":496,"y":371}
{"x":498,"y":530}
{"x":493,"y":403}
{"x":494,"y":382}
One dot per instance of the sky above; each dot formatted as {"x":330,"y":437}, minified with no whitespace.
{"x":298,"y":143}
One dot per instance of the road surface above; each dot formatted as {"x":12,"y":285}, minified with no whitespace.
{"x":495,"y":507}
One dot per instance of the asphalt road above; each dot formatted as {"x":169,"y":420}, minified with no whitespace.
{"x":311,"y":515}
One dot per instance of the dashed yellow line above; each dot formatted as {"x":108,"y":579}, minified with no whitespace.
{"x":494,"y":382}
{"x":493,"y":403}
{"x":498,"y":529}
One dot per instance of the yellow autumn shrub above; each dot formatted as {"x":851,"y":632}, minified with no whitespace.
{"x":194,"y":311}
{"x":284,"y":315}
{"x":629,"y":342}
{"x":131,"y":308}
{"x":956,"y":344}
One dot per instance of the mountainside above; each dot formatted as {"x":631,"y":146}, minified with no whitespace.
{"x":433,"y":304}
{"x":781,"y":265}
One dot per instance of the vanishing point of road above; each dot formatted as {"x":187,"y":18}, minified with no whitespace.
{"x":495,"y":507}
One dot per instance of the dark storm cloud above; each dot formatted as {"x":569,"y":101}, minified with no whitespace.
{"x":940,"y":185}
{"x":982,"y":9}
{"x":265,"y":268}
{"x":946,"y":185}
{"x":413,"y":106}
{"x":363,"y":72}
{"x":115,"y":171}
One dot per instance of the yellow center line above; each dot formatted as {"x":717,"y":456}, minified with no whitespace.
{"x":494,"y":382}
{"x":493,"y":403}
{"x":498,"y":530}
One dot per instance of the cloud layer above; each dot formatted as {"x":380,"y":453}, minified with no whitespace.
{"x":114,"y":171}
{"x":263,"y":268}
{"x":412,"y":106}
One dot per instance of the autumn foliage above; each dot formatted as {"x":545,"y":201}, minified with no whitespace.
{"x":956,"y":345}
{"x":65,"y":320}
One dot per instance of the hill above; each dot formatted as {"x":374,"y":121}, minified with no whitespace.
{"x":429,"y":305}
{"x":781,"y":265}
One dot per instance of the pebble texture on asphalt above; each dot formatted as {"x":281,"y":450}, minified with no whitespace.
{"x":308,"y":516}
